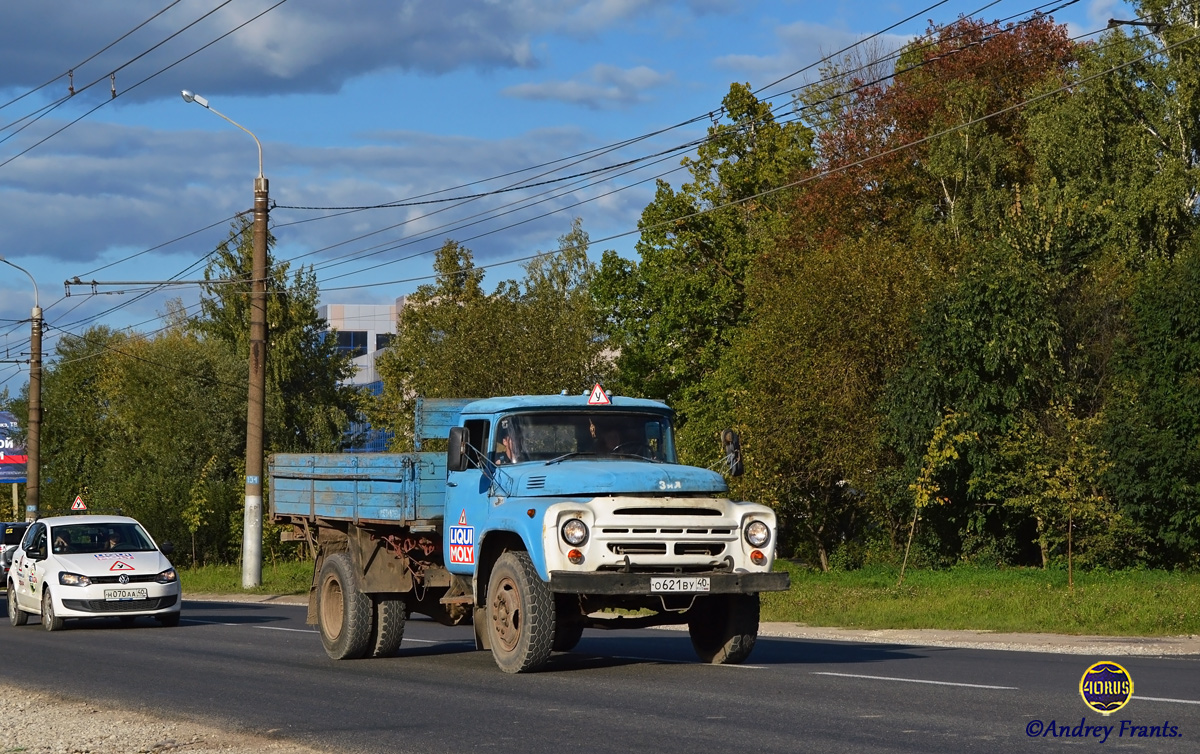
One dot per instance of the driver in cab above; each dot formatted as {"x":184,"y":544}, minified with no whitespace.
{"x":508,"y":445}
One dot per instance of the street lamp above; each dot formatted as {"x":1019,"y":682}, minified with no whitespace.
{"x":33,"y":443}
{"x":252,"y":531}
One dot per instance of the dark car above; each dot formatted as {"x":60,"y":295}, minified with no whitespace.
{"x":12,"y":537}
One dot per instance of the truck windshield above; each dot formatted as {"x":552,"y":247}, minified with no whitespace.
{"x":550,"y":436}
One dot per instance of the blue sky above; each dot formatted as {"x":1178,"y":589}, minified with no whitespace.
{"x":364,"y":102}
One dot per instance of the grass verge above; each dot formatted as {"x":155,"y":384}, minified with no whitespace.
{"x":287,"y":577}
{"x":1124,"y":603}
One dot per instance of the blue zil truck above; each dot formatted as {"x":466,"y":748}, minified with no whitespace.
{"x":543,"y":516}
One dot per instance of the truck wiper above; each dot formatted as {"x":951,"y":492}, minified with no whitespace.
{"x":572,"y":454}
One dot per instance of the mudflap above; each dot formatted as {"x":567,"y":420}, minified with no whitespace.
{"x":480,"y":623}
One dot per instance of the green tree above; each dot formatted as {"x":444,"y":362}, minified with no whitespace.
{"x":132,"y":422}
{"x":539,"y":335}
{"x":673,"y":314}
{"x":308,"y":406}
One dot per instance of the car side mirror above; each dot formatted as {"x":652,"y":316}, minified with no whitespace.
{"x":456,"y":453}
{"x":732,"y":445}
{"x":166,"y":548}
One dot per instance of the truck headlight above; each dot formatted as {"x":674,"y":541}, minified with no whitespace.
{"x":73,"y":579}
{"x":757,"y":534}
{"x":575,"y":532}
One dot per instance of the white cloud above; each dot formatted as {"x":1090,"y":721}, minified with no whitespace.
{"x":302,"y":46}
{"x":601,"y":87}
{"x":801,"y":45}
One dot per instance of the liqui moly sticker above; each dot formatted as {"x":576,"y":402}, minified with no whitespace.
{"x":462,"y":542}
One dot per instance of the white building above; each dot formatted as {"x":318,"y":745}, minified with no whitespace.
{"x":364,"y":330}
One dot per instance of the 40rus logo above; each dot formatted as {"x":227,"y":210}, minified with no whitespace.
{"x":1106,"y":687}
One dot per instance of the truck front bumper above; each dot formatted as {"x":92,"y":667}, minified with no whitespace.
{"x":607,"y":582}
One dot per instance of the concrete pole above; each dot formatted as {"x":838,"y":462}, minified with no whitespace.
{"x":256,"y":403}
{"x":33,"y":442}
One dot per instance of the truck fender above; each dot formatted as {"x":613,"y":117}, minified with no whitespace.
{"x":492,"y":545}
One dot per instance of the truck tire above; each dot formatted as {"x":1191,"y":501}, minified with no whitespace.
{"x":343,"y":611}
{"x":568,"y":622}
{"x":724,"y":627}
{"x":520,"y":614}
{"x":388,"y":632}
{"x":16,"y":616}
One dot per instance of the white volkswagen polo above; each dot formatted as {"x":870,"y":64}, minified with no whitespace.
{"x":89,"y":567}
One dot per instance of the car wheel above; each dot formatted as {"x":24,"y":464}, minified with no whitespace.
{"x":50,"y":621}
{"x":168,"y":620}
{"x":16,"y":616}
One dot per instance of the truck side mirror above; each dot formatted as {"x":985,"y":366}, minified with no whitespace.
{"x":732,"y":446}
{"x":456,"y":453}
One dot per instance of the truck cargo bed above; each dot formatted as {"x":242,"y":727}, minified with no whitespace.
{"x":388,"y":487}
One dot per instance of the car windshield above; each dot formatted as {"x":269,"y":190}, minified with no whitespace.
{"x":72,"y":539}
{"x":552,"y":436}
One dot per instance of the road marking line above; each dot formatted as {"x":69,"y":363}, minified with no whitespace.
{"x":210,"y":622}
{"x":436,"y":641}
{"x":917,"y":680}
{"x":1163,"y":699}
{"x":677,"y":662}
{"x":282,"y":628}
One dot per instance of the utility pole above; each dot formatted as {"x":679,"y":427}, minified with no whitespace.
{"x":255,"y":403}
{"x":33,"y":442}
{"x":255,"y":406}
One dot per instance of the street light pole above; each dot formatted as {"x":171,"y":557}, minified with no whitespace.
{"x":256,"y":401}
{"x":33,"y":443}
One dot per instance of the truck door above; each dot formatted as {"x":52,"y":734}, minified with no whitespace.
{"x":466,"y":501}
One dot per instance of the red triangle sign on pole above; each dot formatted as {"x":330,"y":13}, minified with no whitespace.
{"x":598,"y":397}
{"x":78,"y":505}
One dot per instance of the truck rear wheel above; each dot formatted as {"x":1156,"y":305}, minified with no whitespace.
{"x":343,"y":611}
{"x":724,"y":627}
{"x":388,"y":632}
{"x":520,"y":614}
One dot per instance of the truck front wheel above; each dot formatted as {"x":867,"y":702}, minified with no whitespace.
{"x":724,"y":627}
{"x":343,"y":611}
{"x":520,"y":614}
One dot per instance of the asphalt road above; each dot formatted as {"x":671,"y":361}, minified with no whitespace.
{"x":258,"y":668}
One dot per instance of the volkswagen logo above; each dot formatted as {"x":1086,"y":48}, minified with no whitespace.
{"x":123,"y":578}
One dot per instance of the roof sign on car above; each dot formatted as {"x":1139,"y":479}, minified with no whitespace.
{"x":79,"y":505}
{"x":598,"y":397}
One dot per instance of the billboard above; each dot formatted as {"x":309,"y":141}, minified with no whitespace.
{"x":12,"y":450}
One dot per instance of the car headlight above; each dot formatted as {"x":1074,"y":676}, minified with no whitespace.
{"x":167,"y":577}
{"x":73,"y":579}
{"x":575,"y":532}
{"x":758,"y":534}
